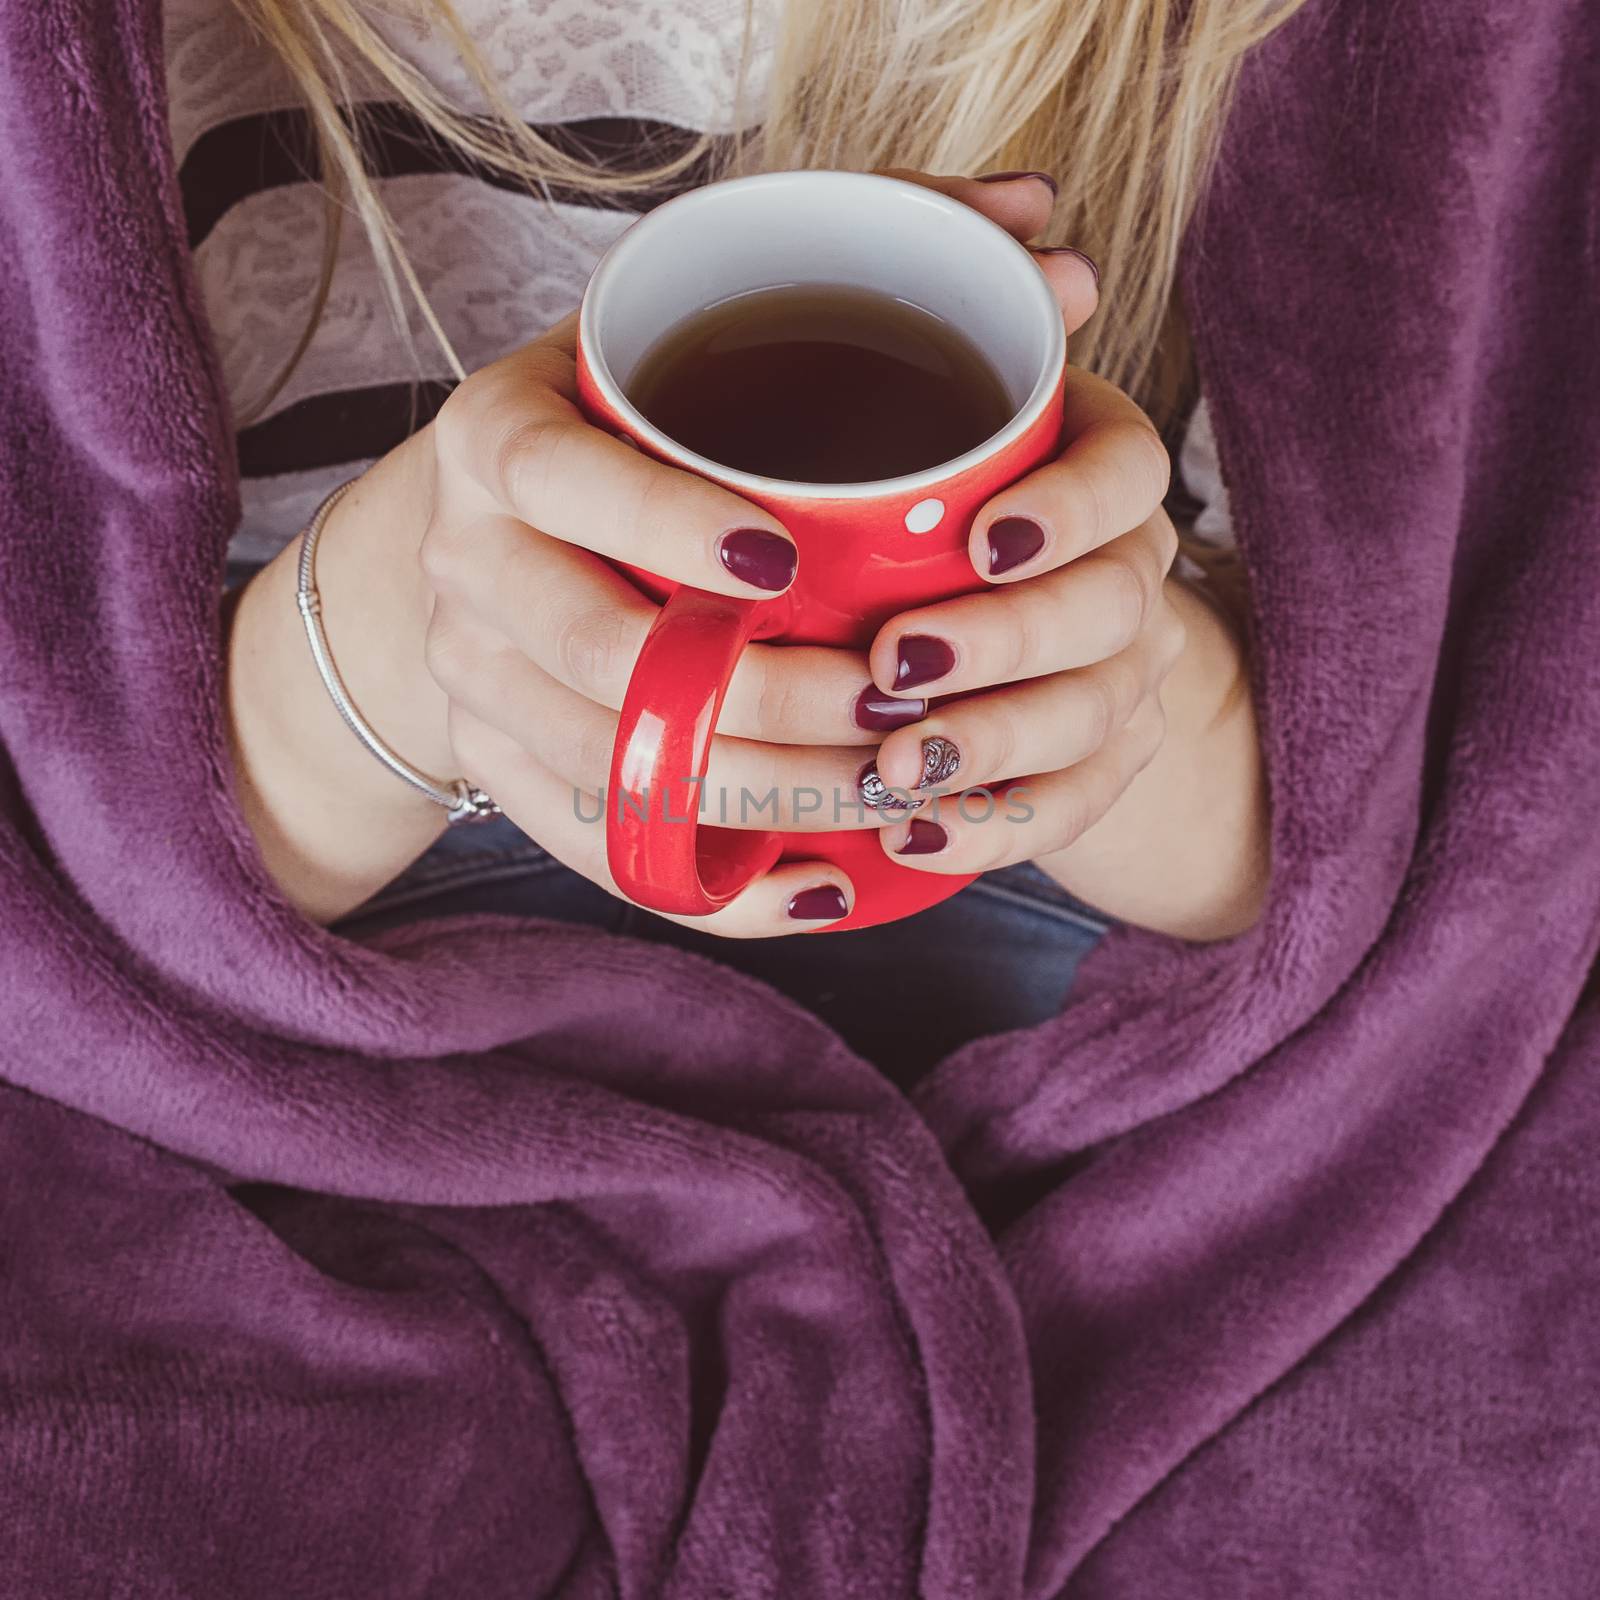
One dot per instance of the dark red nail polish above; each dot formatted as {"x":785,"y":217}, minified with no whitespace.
{"x":925,"y":838}
{"x":825,"y":903}
{"x":758,"y":556}
{"x":921,"y":659}
{"x":1013,"y":540}
{"x":1007,"y":177}
{"x":1067,"y":250}
{"x":876,"y":712}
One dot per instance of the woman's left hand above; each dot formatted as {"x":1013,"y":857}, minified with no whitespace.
{"x":1058,"y":673}
{"x":1059,"y":666}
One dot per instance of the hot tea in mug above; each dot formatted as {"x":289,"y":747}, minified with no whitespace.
{"x":821,"y":383}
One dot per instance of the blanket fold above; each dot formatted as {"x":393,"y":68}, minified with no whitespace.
{"x":495,"y":1258}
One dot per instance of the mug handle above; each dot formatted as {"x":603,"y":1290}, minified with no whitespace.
{"x":659,"y":852}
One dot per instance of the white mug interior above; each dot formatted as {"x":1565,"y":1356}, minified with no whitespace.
{"x":839,"y":228}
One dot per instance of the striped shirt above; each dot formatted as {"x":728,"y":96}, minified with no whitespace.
{"x":625,"y":81}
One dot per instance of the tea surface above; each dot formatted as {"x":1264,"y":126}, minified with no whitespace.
{"x":821,"y":384}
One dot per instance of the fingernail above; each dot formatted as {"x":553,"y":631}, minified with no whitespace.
{"x":1067,"y":250}
{"x":825,"y":903}
{"x":921,"y":659}
{"x":923,"y":838}
{"x":877,"y":796}
{"x":940,"y":758}
{"x":1013,"y":540}
{"x":876,"y":712}
{"x":1007,"y":177}
{"x":758,"y":556}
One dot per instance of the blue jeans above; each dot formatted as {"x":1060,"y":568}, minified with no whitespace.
{"x":999,"y":955}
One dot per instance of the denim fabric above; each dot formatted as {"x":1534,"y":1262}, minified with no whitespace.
{"x":235,"y":572}
{"x":1000,"y":955}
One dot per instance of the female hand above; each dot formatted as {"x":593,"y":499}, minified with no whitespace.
{"x":1116,"y":697}
{"x":1069,"y":650}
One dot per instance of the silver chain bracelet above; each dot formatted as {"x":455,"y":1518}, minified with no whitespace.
{"x":461,"y":801}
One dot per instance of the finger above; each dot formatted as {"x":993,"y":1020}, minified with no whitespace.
{"x":1019,"y":202}
{"x":748,"y":784}
{"x":795,"y":897}
{"x":1072,"y":617}
{"x":516,"y":437}
{"x":1075,"y":280}
{"x":1038,"y":726}
{"x":584,"y":624}
{"x":1110,"y":478}
{"x":978,"y":831}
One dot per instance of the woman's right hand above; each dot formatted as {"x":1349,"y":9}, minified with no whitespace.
{"x":530,"y":634}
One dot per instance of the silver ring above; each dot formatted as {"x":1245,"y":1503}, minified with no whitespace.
{"x":877,"y":796}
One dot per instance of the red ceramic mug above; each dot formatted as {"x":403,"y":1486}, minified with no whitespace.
{"x":867,"y":551}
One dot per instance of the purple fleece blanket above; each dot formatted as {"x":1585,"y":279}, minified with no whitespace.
{"x":498,"y":1259}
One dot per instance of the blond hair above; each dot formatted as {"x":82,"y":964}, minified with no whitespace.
{"x":1121,"y":100}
